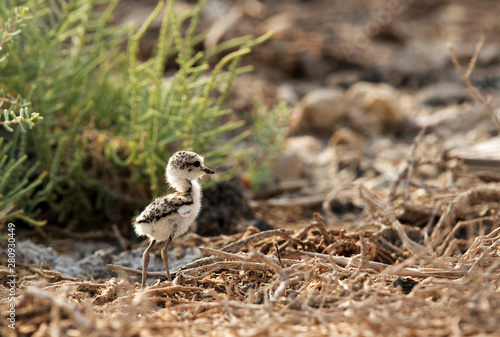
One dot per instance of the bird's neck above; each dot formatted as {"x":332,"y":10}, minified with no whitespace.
{"x":184,"y":185}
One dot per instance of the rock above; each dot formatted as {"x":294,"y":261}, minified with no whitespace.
{"x":375,"y":107}
{"x":489,"y":55}
{"x":448,"y":119}
{"x":312,"y":66}
{"x":410,"y":61}
{"x":280,"y":23}
{"x":306,"y":146}
{"x":344,"y":78}
{"x":299,"y":153}
{"x":287,"y":93}
{"x":288,"y":166}
{"x":443,"y":93}
{"x":320,"y":111}
{"x":481,"y":156}
{"x":347,"y":137}
{"x":245,"y":89}
{"x":349,"y":146}
{"x":453,"y":14}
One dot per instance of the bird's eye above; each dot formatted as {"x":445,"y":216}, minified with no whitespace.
{"x":196,"y":164}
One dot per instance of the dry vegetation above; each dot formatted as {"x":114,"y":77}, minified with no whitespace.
{"x":387,"y":279}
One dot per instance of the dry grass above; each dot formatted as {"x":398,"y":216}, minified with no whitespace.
{"x":315,"y":281}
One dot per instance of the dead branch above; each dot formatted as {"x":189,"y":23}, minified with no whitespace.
{"x":59,"y":304}
{"x":132,"y":271}
{"x":320,"y":223}
{"x":238,"y":265}
{"x":108,"y":294}
{"x":406,"y":172}
{"x":237,"y":245}
{"x":382,"y":267}
{"x":278,"y":254}
{"x":465,"y":75}
{"x":200,"y":262}
{"x":51,"y":276}
{"x":478,"y":241}
{"x":252,"y":239}
{"x":457,"y":227}
{"x":285,"y":280}
{"x":387,"y":212}
{"x":31,"y":266}
{"x":222,"y":255}
{"x":80,"y":285}
{"x":472,"y":270}
{"x":123,"y":242}
{"x":460,"y":206}
{"x":257,"y":256}
{"x":244,"y":257}
{"x":172,"y":289}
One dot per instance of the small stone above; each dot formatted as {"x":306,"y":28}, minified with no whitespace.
{"x":350,"y":147}
{"x":304,"y":145}
{"x":375,"y":107}
{"x":298,"y":154}
{"x":443,"y":93}
{"x":320,"y":111}
{"x":287,"y":93}
{"x":288,"y":166}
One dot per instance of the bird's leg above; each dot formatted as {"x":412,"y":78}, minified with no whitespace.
{"x":164,"y":257}
{"x":145,"y":262}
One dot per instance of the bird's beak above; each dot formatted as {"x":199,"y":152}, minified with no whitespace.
{"x":208,"y":171}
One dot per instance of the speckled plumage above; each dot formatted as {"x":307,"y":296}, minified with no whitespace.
{"x":172,"y":215}
{"x":183,"y":159}
{"x":164,"y":206}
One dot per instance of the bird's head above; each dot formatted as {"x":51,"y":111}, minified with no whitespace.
{"x":185,"y":165}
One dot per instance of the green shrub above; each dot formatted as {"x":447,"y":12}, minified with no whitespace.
{"x":268,"y":139}
{"x":16,"y":183}
{"x":111,"y":122}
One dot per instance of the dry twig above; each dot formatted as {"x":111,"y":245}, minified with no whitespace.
{"x":382,"y":267}
{"x":131,"y":271}
{"x":59,"y":305}
{"x":284,"y":233}
{"x":123,"y":242}
{"x":320,"y":223}
{"x":285,"y":280}
{"x":378,"y":204}
{"x":465,"y":75}
{"x":406,"y":172}
{"x":458,"y":207}
{"x":237,"y":265}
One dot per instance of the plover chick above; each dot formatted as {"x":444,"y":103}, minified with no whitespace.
{"x":171,"y":216}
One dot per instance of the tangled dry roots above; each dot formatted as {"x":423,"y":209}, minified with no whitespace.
{"x":382,"y":281}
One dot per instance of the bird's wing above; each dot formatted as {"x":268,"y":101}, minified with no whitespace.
{"x":180,"y":203}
